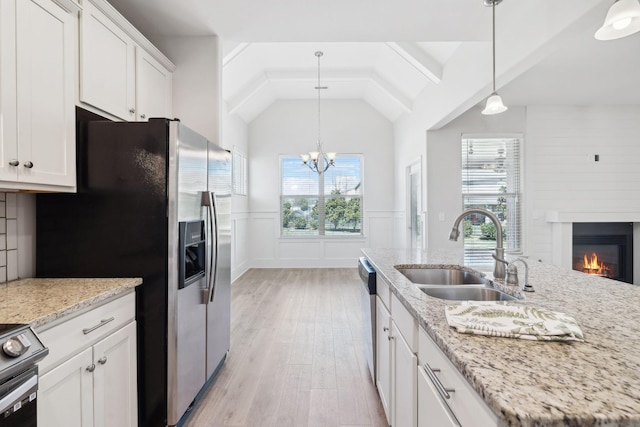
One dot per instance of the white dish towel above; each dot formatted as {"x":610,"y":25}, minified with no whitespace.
{"x":513,"y":321}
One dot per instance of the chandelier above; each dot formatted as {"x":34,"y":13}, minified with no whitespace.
{"x":319,"y":161}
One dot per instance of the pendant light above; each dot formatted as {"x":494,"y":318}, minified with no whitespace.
{"x":623,"y":19}
{"x":319,"y":161}
{"x":494,"y":102}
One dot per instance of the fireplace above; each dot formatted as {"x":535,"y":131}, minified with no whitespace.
{"x":604,"y":249}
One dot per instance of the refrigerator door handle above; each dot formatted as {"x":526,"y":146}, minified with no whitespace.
{"x":209,"y":200}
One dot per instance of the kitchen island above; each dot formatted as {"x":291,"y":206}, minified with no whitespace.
{"x":535,"y":383}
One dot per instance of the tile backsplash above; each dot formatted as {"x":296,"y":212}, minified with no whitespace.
{"x":8,"y":236}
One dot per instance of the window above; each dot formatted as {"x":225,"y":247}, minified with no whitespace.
{"x":321,"y":205}
{"x":491,"y":180}
{"x":239,"y":173}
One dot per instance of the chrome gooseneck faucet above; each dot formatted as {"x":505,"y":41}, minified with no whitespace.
{"x":498,"y":267}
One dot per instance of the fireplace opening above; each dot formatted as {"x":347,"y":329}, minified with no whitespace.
{"x":604,"y":249}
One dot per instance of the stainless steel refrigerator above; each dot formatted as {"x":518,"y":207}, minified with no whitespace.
{"x":154,"y":201}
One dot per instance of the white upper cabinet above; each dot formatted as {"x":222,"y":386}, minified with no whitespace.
{"x":107,"y":65}
{"x":37,"y":94}
{"x":153,"y":87}
{"x":118,"y":75}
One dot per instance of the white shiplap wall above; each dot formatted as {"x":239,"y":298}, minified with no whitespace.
{"x":561,"y":174}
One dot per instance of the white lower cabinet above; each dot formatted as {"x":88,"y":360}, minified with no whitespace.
{"x":95,"y":383}
{"x":115,"y":379}
{"x":383,"y":356}
{"x":432,"y":411}
{"x":396,"y":368}
{"x":65,"y":394}
{"x":417,"y":383}
{"x":463,"y":406}
{"x":405,"y":388}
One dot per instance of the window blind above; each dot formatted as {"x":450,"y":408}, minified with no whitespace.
{"x":491,"y":179}
{"x":240,"y":173}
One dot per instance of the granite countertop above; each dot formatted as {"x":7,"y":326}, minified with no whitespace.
{"x":533,"y":383}
{"x":39,"y":301}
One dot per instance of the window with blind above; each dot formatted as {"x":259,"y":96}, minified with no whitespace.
{"x":239,"y":173}
{"x":491,"y":180}
{"x":321,"y":205}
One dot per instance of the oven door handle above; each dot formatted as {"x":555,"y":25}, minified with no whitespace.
{"x":16,"y":394}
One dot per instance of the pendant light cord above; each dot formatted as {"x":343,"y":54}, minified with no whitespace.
{"x":319,"y":54}
{"x":493,"y":38}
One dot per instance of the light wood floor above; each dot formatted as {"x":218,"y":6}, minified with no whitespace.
{"x":296,"y":355}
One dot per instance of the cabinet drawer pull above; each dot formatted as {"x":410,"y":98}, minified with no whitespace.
{"x":91,"y":368}
{"x":99,"y":325}
{"x":28,"y":164}
{"x":14,"y":162}
{"x":444,"y":392}
{"x":102,"y":360}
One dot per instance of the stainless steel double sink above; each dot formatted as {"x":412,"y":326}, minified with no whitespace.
{"x":453,"y":284}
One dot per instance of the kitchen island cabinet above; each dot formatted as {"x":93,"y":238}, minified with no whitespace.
{"x":397,"y":361}
{"x":518,"y":382}
{"x":37,"y":94}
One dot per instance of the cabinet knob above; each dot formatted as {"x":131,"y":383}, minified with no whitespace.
{"x":28,"y":164}
{"x":385,"y":329}
{"x":143,"y":116}
{"x":391,"y":337}
{"x":102,"y":360}
{"x":91,"y":367}
{"x":14,"y":162}
{"x":132,"y":111}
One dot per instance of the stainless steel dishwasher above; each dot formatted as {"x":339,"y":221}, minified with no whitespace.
{"x":368,"y":305}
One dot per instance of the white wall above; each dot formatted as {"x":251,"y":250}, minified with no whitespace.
{"x":235,"y":136}
{"x":444,"y":166}
{"x":196,"y":82}
{"x":290,"y":127}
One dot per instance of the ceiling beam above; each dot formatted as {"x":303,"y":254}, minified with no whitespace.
{"x":235,"y":52}
{"x":418,"y":59}
{"x":268,"y":77}
{"x":247,"y":92}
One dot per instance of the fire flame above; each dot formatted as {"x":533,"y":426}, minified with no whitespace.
{"x":592,"y":266}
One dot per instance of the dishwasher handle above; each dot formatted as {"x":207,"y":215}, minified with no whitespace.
{"x":367,"y":275}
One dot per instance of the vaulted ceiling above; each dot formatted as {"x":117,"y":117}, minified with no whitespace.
{"x":391,"y":53}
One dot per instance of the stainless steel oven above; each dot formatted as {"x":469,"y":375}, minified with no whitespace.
{"x":20,"y":350}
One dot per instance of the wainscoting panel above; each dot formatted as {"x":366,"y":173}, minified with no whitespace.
{"x":239,"y":245}
{"x":344,"y":250}
{"x":261,"y":239}
{"x":299,"y":249}
{"x":266,"y":249}
{"x":380,"y":230}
